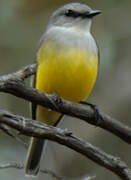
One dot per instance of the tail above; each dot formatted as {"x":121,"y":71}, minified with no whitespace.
{"x":36,"y":146}
{"x":33,"y":156}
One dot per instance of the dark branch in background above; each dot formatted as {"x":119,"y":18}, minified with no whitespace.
{"x":33,"y":128}
{"x":13,"y":84}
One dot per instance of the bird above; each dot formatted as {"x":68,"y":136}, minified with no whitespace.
{"x":67,"y":64}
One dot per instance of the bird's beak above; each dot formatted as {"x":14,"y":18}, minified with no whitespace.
{"x":93,"y":13}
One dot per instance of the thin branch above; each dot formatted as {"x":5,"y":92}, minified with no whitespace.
{"x":11,"y":165}
{"x":33,"y":128}
{"x":25,"y":72}
{"x":13,"y":84}
{"x":45,"y":171}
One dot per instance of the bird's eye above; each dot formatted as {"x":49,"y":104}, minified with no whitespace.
{"x":69,"y":12}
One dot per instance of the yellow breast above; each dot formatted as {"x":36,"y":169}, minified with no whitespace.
{"x":70,"y":73}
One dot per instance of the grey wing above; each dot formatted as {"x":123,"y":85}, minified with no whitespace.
{"x":40,"y":42}
{"x":33,"y":106}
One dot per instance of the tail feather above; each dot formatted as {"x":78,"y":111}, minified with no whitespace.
{"x":33,"y":157}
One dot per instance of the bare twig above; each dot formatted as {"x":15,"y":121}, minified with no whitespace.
{"x":25,"y":72}
{"x":33,"y":128}
{"x":21,"y":166}
{"x":11,"y":165}
{"x":13,"y":84}
{"x":45,"y":171}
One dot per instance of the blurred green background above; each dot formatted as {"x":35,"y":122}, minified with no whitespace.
{"x":21,"y":25}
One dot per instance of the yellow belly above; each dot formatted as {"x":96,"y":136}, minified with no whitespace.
{"x":69,"y":73}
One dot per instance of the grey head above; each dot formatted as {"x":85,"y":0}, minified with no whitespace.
{"x":73,"y":15}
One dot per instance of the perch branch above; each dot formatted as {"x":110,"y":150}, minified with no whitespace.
{"x":33,"y":128}
{"x":13,"y":83}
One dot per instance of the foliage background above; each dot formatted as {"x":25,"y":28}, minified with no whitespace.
{"x":21,"y":25}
